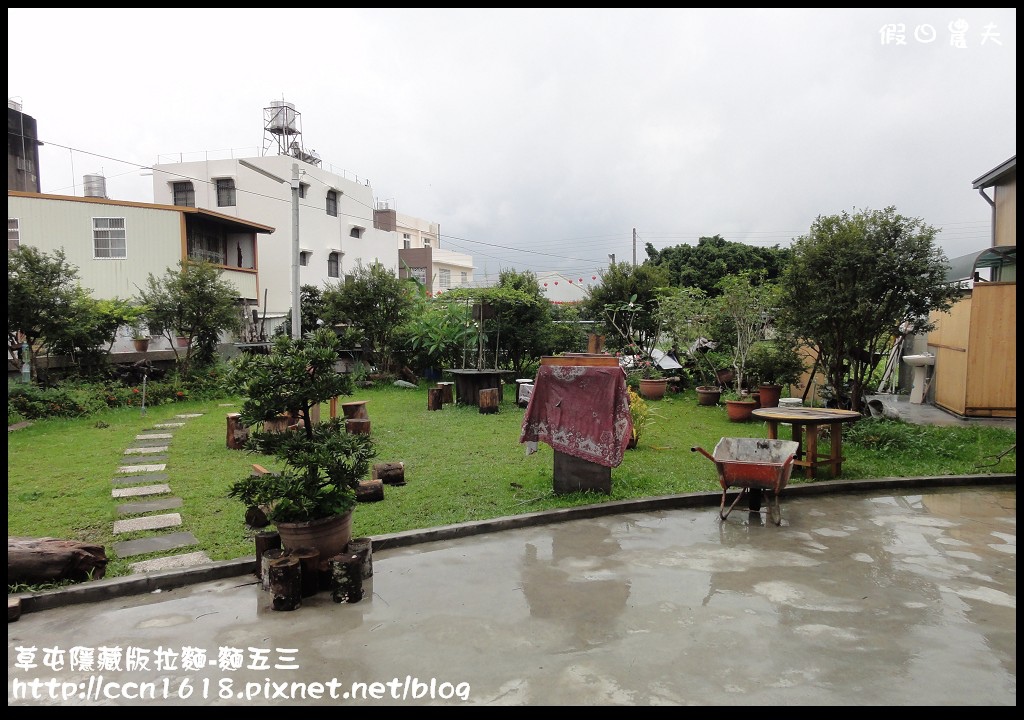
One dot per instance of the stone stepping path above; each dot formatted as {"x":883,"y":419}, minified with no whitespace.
{"x":147,"y":506}
{"x":147,"y":480}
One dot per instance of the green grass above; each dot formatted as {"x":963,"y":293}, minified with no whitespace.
{"x":460,"y":465}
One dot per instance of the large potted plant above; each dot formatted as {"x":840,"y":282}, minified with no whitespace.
{"x":774,"y":364}
{"x":311,"y":500}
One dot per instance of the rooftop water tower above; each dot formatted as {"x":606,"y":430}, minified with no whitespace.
{"x":282,"y":129}
{"x":95,"y":186}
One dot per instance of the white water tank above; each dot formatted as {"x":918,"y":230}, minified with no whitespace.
{"x":95,"y":186}
{"x":282,"y":118}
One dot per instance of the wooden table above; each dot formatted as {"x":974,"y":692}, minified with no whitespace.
{"x":469,"y":383}
{"x":807,"y":456}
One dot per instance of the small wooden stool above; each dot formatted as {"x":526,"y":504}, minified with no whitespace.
{"x":355,"y":410}
{"x":446,"y":392}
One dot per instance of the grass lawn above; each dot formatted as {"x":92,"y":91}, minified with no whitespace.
{"x":460,"y":465}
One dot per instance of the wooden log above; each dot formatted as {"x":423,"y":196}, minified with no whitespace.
{"x":370,"y":491}
{"x":355,"y":410}
{"x":435,"y":399}
{"x":237,"y":433}
{"x":489,"y":398}
{"x":324,"y":573}
{"x":286,"y":583}
{"x":38,"y":560}
{"x":309,"y":562}
{"x":256,"y":517}
{"x":357,"y":426}
{"x":363,"y":547}
{"x":346,"y":578}
{"x":447,"y":389}
{"x":265,"y":540}
{"x":268,"y":557}
{"x":390,"y":473}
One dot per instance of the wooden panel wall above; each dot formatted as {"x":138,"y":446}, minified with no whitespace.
{"x":992,"y":358}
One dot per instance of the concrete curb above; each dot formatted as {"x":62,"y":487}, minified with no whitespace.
{"x":244,"y":568}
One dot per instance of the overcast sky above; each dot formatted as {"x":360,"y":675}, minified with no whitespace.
{"x":540,"y":139}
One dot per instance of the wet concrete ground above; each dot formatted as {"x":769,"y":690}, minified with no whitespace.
{"x":867,"y":594}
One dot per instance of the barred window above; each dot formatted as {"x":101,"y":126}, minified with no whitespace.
{"x":184,"y":194}
{"x":333,"y":266}
{"x":332,"y":203}
{"x":13,"y":234}
{"x":108,"y":238}
{"x":444,"y":278}
{"x":225,"y":192}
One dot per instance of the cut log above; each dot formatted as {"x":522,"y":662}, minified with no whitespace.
{"x":269,"y":556}
{"x":286,"y":583}
{"x":409,"y":376}
{"x":265,"y":540}
{"x":363,"y":547}
{"x":256,"y":517}
{"x":39,"y":560}
{"x":355,"y":410}
{"x":370,"y":491}
{"x":237,"y":433}
{"x":489,"y":398}
{"x":357,"y":426}
{"x":392,"y":473}
{"x":435,"y":399}
{"x":309,"y":560}
{"x":346,"y":578}
{"x":448,"y":388}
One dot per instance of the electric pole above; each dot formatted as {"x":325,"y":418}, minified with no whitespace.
{"x":296,"y":314}
{"x":634,"y":247}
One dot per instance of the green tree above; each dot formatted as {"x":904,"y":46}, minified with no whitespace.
{"x":90,"y":329}
{"x":377,"y":302}
{"x":521,"y":320}
{"x":311,"y":309}
{"x":713,"y":258}
{"x":858,"y":281}
{"x":194,"y":302}
{"x":748,"y":302}
{"x":627,"y":296}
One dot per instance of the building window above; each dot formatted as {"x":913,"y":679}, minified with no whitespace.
{"x":426,"y":242}
{"x":13,"y":234}
{"x":332,"y":203}
{"x":207,"y":242}
{"x":304,"y":258}
{"x":356,"y":232}
{"x":333,"y":265}
{"x":463,"y":277}
{"x":184,"y":194}
{"x":444,"y":278}
{"x":225,"y":192}
{"x":303,"y":189}
{"x":406,"y":241}
{"x":420,"y":274}
{"x":108,"y":238}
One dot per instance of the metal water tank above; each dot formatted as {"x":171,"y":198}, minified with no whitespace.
{"x":282,"y":117}
{"x":95,"y":186}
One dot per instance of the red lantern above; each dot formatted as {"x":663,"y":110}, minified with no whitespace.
{"x":581,"y":279}
{"x":545,"y":284}
{"x":570,"y":282}
{"x":556,"y":282}
{"x":593,"y":277}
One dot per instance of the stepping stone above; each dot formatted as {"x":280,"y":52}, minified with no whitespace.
{"x":133,"y":479}
{"x":167,"y":425}
{"x":189,"y":415}
{"x":141,"y":468}
{"x":148,"y":506}
{"x":140,"y":491}
{"x":160,"y":543}
{"x":146,"y":450}
{"x":173,"y":562}
{"x":226,"y":405}
{"x":150,"y":443}
{"x":155,"y":436}
{"x":147,"y":522}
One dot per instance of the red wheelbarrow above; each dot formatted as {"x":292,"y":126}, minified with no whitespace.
{"x":753,"y":464}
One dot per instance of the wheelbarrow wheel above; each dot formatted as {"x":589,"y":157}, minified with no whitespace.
{"x":774,"y":509}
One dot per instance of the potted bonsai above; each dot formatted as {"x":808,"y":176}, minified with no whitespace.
{"x":774,"y":364}
{"x":311,"y":500}
{"x":739,"y":406}
{"x":686,"y":314}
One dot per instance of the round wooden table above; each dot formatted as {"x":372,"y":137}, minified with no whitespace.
{"x":807,"y":456}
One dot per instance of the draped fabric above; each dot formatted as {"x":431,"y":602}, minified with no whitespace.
{"x":581,"y":411}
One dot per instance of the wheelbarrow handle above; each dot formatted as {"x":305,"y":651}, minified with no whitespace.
{"x":703,"y":452}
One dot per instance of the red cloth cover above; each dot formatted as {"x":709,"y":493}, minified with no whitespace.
{"x":581,"y":411}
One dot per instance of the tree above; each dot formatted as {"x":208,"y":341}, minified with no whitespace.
{"x":713,"y":258}
{"x":627,"y":295}
{"x":193,"y":302}
{"x":520,"y":320}
{"x":311,"y":309}
{"x":748,"y":303}
{"x":858,"y":281}
{"x":376,"y":301}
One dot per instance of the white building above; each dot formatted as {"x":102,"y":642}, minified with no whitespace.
{"x":420,"y":254}
{"x":339,"y":224}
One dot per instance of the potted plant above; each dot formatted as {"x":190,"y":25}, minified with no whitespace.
{"x":774,"y":364}
{"x":739,"y":406}
{"x":686,"y":315}
{"x":746,"y":301}
{"x":311,"y":500}
{"x":140,"y":339}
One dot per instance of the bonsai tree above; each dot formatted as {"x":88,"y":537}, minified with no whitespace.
{"x":323,"y":463}
{"x":774,"y":362}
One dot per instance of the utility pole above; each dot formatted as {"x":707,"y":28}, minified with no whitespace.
{"x":296,"y":314}
{"x":634,"y":247}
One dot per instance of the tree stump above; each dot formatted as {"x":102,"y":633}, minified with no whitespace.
{"x":268,"y":557}
{"x":286,"y":583}
{"x":435,"y":399}
{"x":355,"y":410}
{"x":370,"y":491}
{"x":357,"y":426}
{"x":447,"y":389}
{"x":38,"y":560}
{"x":346,"y":578}
{"x":363,"y":547}
{"x":489,"y":398}
{"x":237,"y":433}
{"x":309,"y":562}
{"x":392,"y":473}
{"x":265,"y":540}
